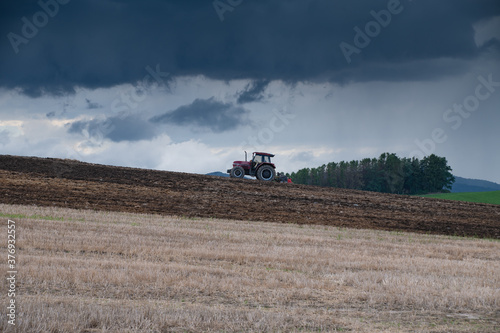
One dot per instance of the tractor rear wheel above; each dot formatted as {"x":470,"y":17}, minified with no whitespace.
{"x":266,"y":173}
{"x":237,"y":172}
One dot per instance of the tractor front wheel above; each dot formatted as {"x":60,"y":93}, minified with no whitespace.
{"x":266,"y":173}
{"x":237,"y":172}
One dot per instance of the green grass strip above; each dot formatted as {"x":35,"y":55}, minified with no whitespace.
{"x":492,"y":197}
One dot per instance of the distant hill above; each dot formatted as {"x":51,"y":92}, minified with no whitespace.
{"x":473,"y":185}
{"x":218,"y":173}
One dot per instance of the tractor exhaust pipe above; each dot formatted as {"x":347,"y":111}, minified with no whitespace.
{"x":245,"y":155}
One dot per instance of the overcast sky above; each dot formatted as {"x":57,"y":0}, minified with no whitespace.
{"x":189,"y":85}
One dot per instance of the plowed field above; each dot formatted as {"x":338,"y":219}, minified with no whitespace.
{"x":73,"y":184}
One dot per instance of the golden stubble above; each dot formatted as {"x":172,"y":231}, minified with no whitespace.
{"x":84,"y":271}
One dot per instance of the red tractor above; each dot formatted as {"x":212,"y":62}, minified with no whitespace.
{"x":260,"y":166}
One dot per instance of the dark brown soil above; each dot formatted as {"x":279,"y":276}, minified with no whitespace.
{"x":73,"y":184}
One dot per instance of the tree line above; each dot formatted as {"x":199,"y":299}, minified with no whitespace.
{"x":388,"y":174}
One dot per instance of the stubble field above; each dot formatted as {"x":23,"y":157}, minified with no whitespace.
{"x":95,"y":271}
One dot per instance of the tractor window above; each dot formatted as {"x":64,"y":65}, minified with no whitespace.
{"x":261,"y":159}
{"x":258,"y":158}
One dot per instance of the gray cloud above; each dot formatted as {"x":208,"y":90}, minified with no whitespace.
{"x":305,"y":156}
{"x":96,"y":44}
{"x":206,"y":113}
{"x":117,"y":128}
{"x":253,"y":92}
{"x":4,"y":137}
{"x":92,"y":105}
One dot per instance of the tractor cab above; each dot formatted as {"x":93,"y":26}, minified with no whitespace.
{"x":259,"y":158}
{"x":260,"y":166}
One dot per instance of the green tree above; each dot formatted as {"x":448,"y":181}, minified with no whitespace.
{"x":330,"y":171}
{"x":393,"y":174}
{"x":436,"y":174}
{"x":388,"y":173}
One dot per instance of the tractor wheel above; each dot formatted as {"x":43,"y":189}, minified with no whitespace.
{"x":237,"y":172}
{"x":266,"y":172}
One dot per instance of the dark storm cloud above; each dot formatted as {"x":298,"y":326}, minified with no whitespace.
{"x":206,"y":113}
{"x":253,"y":92}
{"x":53,"y":46}
{"x":118,"y":128}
